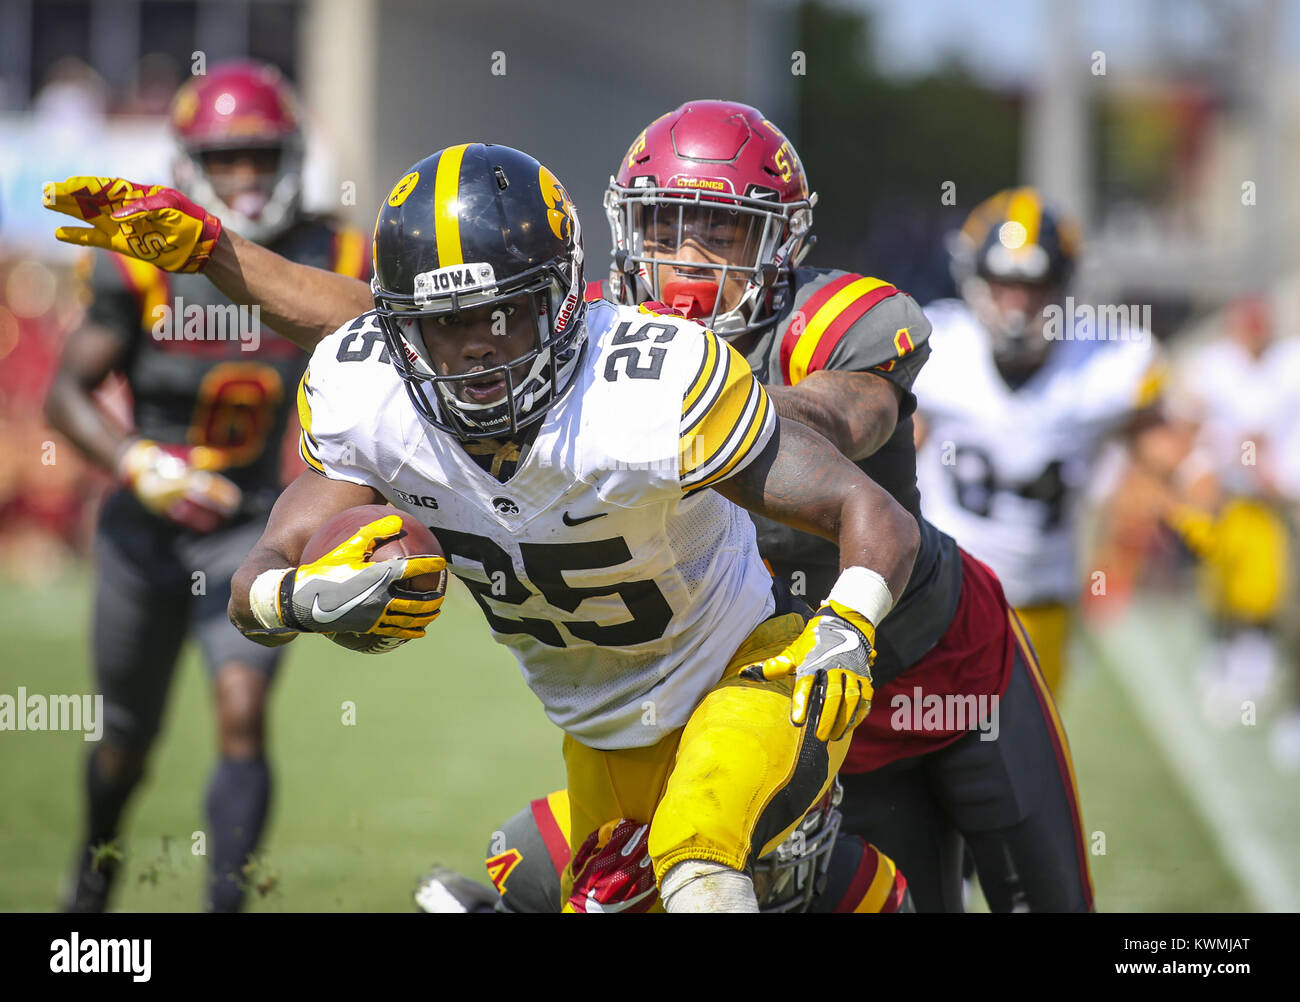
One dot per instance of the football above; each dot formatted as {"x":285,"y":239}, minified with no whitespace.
{"x":415,"y":540}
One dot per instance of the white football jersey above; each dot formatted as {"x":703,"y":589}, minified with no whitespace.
{"x":622,"y":584}
{"x":1001,"y":469}
{"x":1247,"y":411}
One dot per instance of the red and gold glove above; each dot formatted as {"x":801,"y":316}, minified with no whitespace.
{"x":612,"y":871}
{"x":152,"y":223}
{"x":170,"y":486}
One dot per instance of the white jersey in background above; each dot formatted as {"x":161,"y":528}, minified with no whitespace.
{"x":620,"y":582}
{"x":1248,"y":412}
{"x":1001,"y":469}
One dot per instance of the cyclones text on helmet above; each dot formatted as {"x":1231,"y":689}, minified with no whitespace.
{"x":713,"y":195}
{"x":240,"y":106}
{"x":470,"y":228}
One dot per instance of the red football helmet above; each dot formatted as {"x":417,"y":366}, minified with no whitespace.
{"x":708,"y":207}
{"x":248,"y":108}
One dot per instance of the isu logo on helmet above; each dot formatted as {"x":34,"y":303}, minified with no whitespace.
{"x":709,"y":214}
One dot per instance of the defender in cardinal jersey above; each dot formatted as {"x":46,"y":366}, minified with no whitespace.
{"x":582,"y":467}
{"x":710,"y":212}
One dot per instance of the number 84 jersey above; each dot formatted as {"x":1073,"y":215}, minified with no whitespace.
{"x":619,"y":580}
{"x":1002,"y":470}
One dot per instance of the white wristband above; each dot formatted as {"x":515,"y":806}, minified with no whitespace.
{"x":264,"y":598}
{"x":863,"y":591}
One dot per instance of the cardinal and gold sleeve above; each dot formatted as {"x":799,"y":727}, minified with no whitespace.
{"x":727,"y":418}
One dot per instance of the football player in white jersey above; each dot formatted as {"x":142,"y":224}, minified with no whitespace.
{"x":1017,"y":400}
{"x":1241,"y":525}
{"x":592,"y":457}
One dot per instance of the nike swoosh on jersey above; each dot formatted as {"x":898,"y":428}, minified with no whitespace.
{"x":329,"y":615}
{"x":578,"y":521}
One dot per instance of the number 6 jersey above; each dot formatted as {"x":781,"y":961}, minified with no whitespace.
{"x":621,"y":583}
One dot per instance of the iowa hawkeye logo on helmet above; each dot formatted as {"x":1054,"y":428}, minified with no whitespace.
{"x":472,"y":227}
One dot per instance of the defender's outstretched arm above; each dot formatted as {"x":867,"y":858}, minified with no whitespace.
{"x":302,"y":303}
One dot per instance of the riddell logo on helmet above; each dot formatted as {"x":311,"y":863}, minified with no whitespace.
{"x":712,"y":183}
{"x":566,"y":311}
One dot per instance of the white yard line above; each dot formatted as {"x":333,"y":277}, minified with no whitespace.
{"x":1193,"y":754}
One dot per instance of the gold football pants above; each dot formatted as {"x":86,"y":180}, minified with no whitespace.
{"x":728,"y":787}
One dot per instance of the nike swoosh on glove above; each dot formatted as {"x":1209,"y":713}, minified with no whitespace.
{"x":836,"y":649}
{"x":153,"y":223}
{"x":612,"y":871}
{"x":343,"y":592}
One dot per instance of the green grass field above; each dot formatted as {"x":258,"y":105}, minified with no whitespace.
{"x":448,"y":742}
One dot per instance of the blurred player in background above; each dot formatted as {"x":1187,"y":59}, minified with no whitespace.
{"x":818,"y":869}
{"x":1240,"y":519}
{"x":212,"y":394}
{"x":1012,"y":413}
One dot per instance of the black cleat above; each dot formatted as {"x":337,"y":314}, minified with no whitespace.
{"x":92,"y":880}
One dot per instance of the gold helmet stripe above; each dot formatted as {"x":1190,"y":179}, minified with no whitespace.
{"x":446,"y":198}
{"x":1027,"y":210}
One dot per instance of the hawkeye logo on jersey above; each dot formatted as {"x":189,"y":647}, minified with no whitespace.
{"x":472,"y":278}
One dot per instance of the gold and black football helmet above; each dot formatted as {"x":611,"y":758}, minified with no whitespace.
{"x":474,"y":226}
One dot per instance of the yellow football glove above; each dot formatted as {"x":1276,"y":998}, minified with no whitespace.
{"x":155,"y":224}
{"x":344,"y":592}
{"x":833,"y":656}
